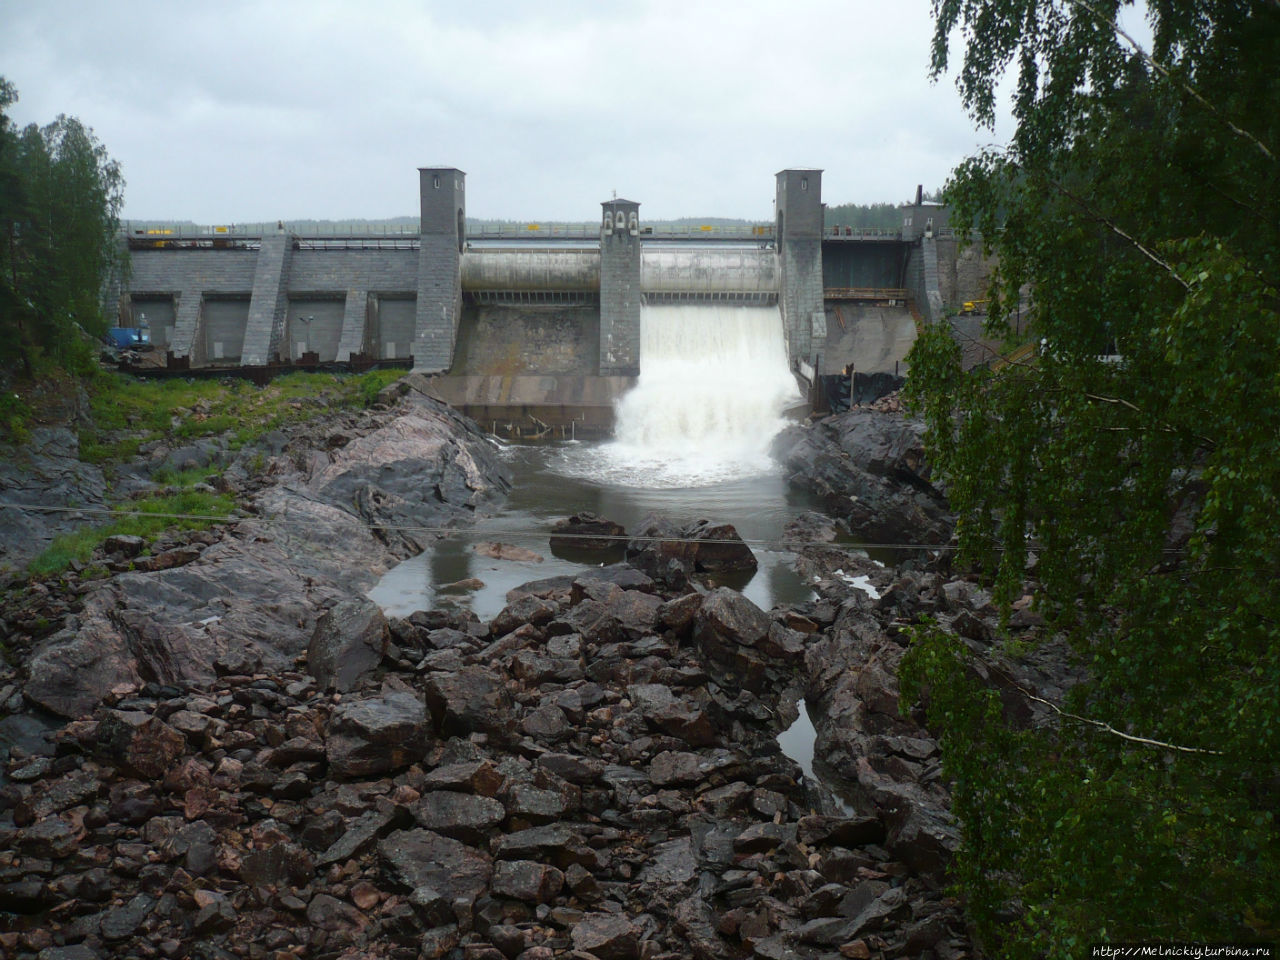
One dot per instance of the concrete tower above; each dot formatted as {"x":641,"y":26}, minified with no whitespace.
{"x":443,"y":237}
{"x":799,"y":231}
{"x":620,"y":289}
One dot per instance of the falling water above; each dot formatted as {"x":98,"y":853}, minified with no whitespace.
{"x":713,"y":386}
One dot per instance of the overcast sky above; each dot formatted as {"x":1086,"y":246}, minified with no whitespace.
{"x":225,"y":112}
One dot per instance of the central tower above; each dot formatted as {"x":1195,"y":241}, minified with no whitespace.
{"x":620,"y":288}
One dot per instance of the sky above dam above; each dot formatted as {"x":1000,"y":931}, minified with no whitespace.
{"x":239,"y":111}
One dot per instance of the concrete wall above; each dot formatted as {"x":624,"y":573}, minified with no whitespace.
{"x":442,"y":191}
{"x":313,"y":325}
{"x":222,"y":330}
{"x":406,"y":303}
{"x":528,"y":269}
{"x":524,"y":340}
{"x":799,"y":233}
{"x":160,"y":314}
{"x":963,"y":272}
{"x":862,"y":264}
{"x":204,"y":271}
{"x":394,"y":322}
{"x":337,"y":271}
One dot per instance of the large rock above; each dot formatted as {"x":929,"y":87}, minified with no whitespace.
{"x":731,"y":632}
{"x":140,"y":742}
{"x":671,"y":553}
{"x":870,"y":470}
{"x":352,"y":496}
{"x":377,"y":734}
{"x":659,"y":705}
{"x":585,"y":531}
{"x":471,"y":700}
{"x":607,"y":936}
{"x":348,"y":643}
{"x":411,"y":859}
{"x":44,"y":470}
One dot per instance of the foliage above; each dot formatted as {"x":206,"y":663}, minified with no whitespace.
{"x":15,"y":415}
{"x":1136,"y":459}
{"x":60,"y":194}
{"x":149,"y":517}
{"x":877,"y":216}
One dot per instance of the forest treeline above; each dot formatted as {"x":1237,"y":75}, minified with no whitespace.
{"x":60,"y":195}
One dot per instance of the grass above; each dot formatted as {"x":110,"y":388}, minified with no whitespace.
{"x":142,"y":518}
{"x":128,"y":412}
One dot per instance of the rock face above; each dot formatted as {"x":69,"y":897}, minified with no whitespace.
{"x":377,"y":734}
{"x":46,"y":469}
{"x":343,"y":497}
{"x":870,"y":470}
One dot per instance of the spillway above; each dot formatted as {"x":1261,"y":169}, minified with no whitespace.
{"x":714,"y":384}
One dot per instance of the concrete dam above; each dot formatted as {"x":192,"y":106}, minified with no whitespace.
{"x":540,"y":328}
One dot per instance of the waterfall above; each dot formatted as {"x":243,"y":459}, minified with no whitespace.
{"x":713,"y":386}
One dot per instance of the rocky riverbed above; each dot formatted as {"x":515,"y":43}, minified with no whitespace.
{"x":259,"y":764}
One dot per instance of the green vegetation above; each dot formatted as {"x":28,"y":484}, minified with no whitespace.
{"x":149,"y":517}
{"x":59,"y":197}
{"x":128,"y":412}
{"x":1138,"y":202}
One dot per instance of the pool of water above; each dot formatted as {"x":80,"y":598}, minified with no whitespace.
{"x":554,"y":481}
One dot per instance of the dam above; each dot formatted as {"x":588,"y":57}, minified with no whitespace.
{"x":531,"y":327}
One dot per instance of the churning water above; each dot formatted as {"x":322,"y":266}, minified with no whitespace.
{"x":713,"y":386}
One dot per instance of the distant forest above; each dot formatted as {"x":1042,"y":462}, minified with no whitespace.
{"x":885,"y":216}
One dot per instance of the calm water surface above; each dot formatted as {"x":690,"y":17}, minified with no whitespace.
{"x":554,"y":481}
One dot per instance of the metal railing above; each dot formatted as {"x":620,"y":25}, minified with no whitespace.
{"x":864,"y":293}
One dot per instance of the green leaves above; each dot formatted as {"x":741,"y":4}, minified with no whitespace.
{"x":60,"y":194}
{"x":1136,"y":456}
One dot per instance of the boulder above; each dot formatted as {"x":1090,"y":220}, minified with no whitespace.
{"x":870,"y":471}
{"x":672,"y":553}
{"x":377,"y":734}
{"x":586,"y":531}
{"x":473,"y":699}
{"x":527,"y":880}
{"x":348,"y":643}
{"x":607,"y":936}
{"x":459,"y":815}
{"x":421,"y":858}
{"x":140,"y":742}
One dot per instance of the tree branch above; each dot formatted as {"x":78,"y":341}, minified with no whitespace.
{"x":1101,"y":725}
{"x":1161,"y":69}
{"x":1121,"y":232}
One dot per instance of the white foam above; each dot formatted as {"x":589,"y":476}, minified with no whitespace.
{"x":713,"y":386}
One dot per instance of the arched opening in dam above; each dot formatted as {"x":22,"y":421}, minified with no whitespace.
{"x":691,"y":442}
